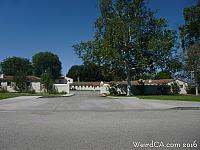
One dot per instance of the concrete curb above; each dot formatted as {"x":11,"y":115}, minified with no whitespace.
{"x":68,"y":95}
{"x":122,"y":97}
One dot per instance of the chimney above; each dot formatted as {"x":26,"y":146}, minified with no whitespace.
{"x":1,"y":76}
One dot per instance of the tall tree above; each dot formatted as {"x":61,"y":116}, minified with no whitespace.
{"x":46,"y":62}
{"x":47,"y":82}
{"x":190,"y":36}
{"x":21,"y":82}
{"x":75,"y":72}
{"x":193,"y":62}
{"x":14,"y":65}
{"x":129,"y":36}
{"x":190,"y":31}
{"x":88,"y":73}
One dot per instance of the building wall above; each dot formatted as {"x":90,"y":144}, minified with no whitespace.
{"x":60,"y":81}
{"x":148,"y":90}
{"x":10,"y":88}
{"x":36,"y":86}
{"x":104,"y":88}
{"x":62,"y":87}
{"x":69,"y":80}
{"x":182,"y":85}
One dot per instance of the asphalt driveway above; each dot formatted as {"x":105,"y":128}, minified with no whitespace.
{"x":89,"y":122}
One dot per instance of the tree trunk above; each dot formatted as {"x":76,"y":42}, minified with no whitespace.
{"x":196,"y":82}
{"x":197,"y":93}
{"x":128,"y":80}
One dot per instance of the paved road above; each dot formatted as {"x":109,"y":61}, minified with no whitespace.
{"x":89,"y":122}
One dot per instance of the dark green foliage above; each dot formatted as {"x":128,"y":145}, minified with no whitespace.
{"x":190,"y":31}
{"x":175,"y":88}
{"x":193,"y":62}
{"x":190,"y":36}
{"x":129,"y":36}
{"x":163,"y":75}
{"x":21,"y":83}
{"x":3,"y":91}
{"x":47,"y":82}
{"x":14,"y":65}
{"x":91,"y":72}
{"x":191,"y":89}
{"x":164,"y":89}
{"x":46,"y":62}
{"x":113,"y":90}
{"x":31,"y":91}
{"x":75,"y":72}
{"x":141,"y":87}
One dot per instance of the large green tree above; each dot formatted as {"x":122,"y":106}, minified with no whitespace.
{"x":190,"y":37}
{"x":190,"y":31}
{"x":193,"y":62}
{"x":87,"y":73}
{"x":130,"y":37}
{"x":47,"y":82}
{"x":75,"y":72}
{"x":21,"y":82}
{"x":14,"y":65}
{"x":46,"y":62}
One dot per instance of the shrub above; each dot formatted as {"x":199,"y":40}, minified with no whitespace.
{"x":164,"y":89}
{"x":21,"y":83}
{"x":3,"y":91}
{"x":113,"y":90}
{"x":191,"y":89}
{"x":63,"y":92}
{"x":47,"y":81}
{"x":175,"y":88}
{"x":32,"y":91}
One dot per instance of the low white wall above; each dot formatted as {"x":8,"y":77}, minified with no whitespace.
{"x":85,"y":88}
{"x":62,"y":87}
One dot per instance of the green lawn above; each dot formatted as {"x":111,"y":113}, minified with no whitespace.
{"x":10,"y":95}
{"x":172,"y":97}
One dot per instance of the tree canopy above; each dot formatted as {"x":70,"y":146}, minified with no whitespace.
{"x":47,"y":82}
{"x":87,"y":73}
{"x":14,"y":65}
{"x":46,"y":62}
{"x":129,"y":38}
{"x":190,"y":31}
{"x":190,"y":36}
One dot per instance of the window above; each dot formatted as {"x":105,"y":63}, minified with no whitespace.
{"x":28,"y":83}
{"x":8,"y":83}
{"x":181,"y":86}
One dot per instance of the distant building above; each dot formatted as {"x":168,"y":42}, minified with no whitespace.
{"x":63,"y":80}
{"x":61,"y":84}
{"x":7,"y":82}
{"x":151,"y":86}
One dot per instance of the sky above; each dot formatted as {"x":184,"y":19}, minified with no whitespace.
{"x":31,"y":26}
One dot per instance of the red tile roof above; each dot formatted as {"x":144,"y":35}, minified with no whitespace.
{"x":11,"y":78}
{"x":135,"y":82}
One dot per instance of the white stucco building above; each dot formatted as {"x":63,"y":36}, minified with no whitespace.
{"x":7,"y":83}
{"x":61,"y":84}
{"x":150,"y":85}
